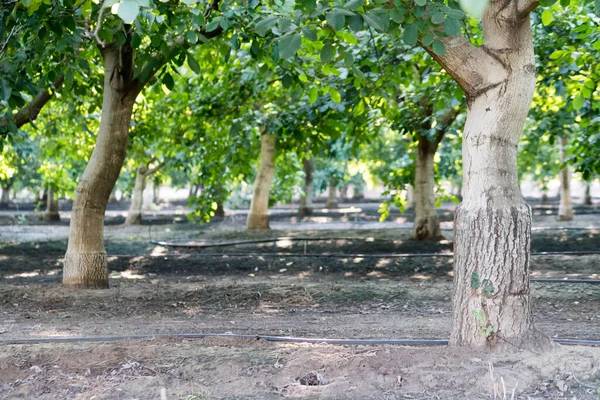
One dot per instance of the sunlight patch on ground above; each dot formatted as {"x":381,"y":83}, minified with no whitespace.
{"x":357,"y":260}
{"x":158,"y":251}
{"x":383,"y":262}
{"x":284,"y":243}
{"x":421,"y":277}
{"x":127,"y":274}
{"x":23,"y":275}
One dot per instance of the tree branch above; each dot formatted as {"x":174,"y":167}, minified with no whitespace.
{"x":445,"y":122}
{"x":524,"y":7}
{"x":474,"y":69}
{"x":32,"y":110}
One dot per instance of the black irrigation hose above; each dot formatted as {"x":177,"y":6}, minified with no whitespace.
{"x":267,"y":338}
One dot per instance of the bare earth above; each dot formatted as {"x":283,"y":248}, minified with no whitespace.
{"x":246,"y":289}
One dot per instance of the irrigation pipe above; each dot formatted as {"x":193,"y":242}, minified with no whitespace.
{"x":267,"y":338}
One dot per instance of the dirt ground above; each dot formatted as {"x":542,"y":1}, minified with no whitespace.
{"x":358,"y":290}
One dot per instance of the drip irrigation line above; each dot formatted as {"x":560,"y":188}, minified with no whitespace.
{"x":257,"y":241}
{"x":267,"y":338}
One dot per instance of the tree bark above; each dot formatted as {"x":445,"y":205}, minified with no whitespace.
{"x":343,"y":193}
{"x":5,"y":199}
{"x":85,"y":260}
{"x":134,"y":215}
{"x":565,"y":207}
{"x":51,"y":214}
{"x":331,"y":199}
{"x":491,"y":305}
{"x":156,"y":192}
{"x":258,"y":217}
{"x":306,"y":200}
{"x":587,"y":194}
{"x":427,"y":224}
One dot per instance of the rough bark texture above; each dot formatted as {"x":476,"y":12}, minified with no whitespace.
{"x":427,"y":224}
{"x":306,"y":201}
{"x":258,"y":217}
{"x":85,"y":260}
{"x":134,"y":214}
{"x":51,"y":213}
{"x":156,"y":192}
{"x":587,"y":194}
{"x":565,"y":207}
{"x":331,"y":198}
{"x":491,"y":305}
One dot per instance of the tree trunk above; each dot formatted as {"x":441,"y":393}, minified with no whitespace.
{"x":258,"y":217}
{"x":85,"y":260}
{"x":491,"y":305}
{"x":156,"y":191}
{"x":306,"y":201}
{"x":5,"y":199}
{"x":565,"y":207}
{"x":359,"y":192}
{"x":134,"y":215}
{"x":331,"y":200}
{"x":343,"y":193}
{"x":427,"y":224}
{"x":410,"y":196}
{"x":219,"y":212}
{"x":51,"y":213}
{"x":587,"y":195}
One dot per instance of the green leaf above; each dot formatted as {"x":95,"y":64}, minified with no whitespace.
{"x":451,"y":27}
{"x":420,"y":2}
{"x":578,"y":102}
{"x":327,"y":53}
{"x":438,"y":47}
{"x":353,"y":4}
{"x":127,"y":10}
{"x":335,"y":19}
{"x":437,"y":18}
{"x":168,"y":81}
{"x":547,"y":17}
{"x":265,"y":25}
{"x":378,"y":19}
{"x":410,"y":34}
{"x":288,"y":45}
{"x":309,"y":34}
{"x":191,"y":37}
{"x":193,"y":64}
{"x":355,"y":22}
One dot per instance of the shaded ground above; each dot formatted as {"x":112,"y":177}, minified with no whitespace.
{"x":160,"y":290}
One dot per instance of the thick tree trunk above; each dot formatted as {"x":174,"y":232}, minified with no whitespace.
{"x":219,"y":212}
{"x":258,"y":217}
{"x":331,"y":195}
{"x":427,"y":224}
{"x":565,"y":207}
{"x":51,"y":213}
{"x":134,"y":215}
{"x":306,"y":200}
{"x":85,"y":260}
{"x":587,"y":194}
{"x":491,"y":303}
{"x":410,"y":196}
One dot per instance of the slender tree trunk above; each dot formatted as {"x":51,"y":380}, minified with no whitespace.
{"x":491,"y":305}
{"x":219,"y":212}
{"x":113,"y":196}
{"x":258,"y":217}
{"x":587,"y":195}
{"x":343,"y":193}
{"x":5,"y":199}
{"x":134,"y":215}
{"x":427,"y":224}
{"x":85,"y":260}
{"x":359,"y":192}
{"x":565,"y":207}
{"x":331,"y":199}
{"x":156,"y":192}
{"x":51,"y":213}
{"x":306,"y":201}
